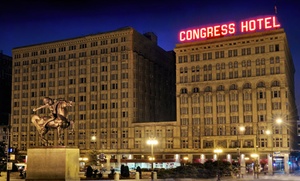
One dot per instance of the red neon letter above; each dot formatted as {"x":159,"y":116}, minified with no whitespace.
{"x":252,"y":25}
{"x":203,"y":33}
{"x":274,"y":23}
{"x":267,"y":23}
{"x":260,"y":23}
{"x":224,"y":30}
{"x":244,"y":26}
{"x":217,"y":30}
{"x":231,"y":28}
{"x":196,"y":34}
{"x":210,"y":32}
{"x":181,"y":36}
{"x":189,"y":34}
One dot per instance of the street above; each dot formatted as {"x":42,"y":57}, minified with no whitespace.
{"x":290,"y":177}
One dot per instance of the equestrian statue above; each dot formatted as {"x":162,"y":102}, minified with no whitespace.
{"x":58,"y":119}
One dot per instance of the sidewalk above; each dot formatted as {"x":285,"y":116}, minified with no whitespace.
{"x":13,"y":176}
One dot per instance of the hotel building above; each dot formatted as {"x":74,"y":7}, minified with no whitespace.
{"x":122,"y":83}
{"x":236,"y":93}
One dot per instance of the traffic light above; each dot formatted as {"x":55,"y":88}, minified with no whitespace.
{"x":11,"y":150}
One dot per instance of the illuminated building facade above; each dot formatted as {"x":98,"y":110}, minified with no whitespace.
{"x":119,"y":80}
{"x":245,"y":80}
{"x":123,"y":85}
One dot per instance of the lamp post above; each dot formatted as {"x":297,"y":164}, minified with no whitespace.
{"x":268,"y":132}
{"x":278,"y":121}
{"x":185,"y":159}
{"x":152,"y":142}
{"x":256,"y":165}
{"x":93,"y":139}
{"x":8,"y":163}
{"x":218,"y":151}
{"x":241,"y":130}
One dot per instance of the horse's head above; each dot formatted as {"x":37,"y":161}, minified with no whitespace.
{"x":64,"y":103}
{"x":61,"y":107}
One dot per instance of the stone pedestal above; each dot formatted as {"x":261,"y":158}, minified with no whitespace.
{"x":52,"y":163}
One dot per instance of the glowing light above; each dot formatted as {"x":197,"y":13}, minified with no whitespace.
{"x":218,"y":150}
{"x":152,"y":142}
{"x":278,"y":120}
{"x":242,"y":128}
{"x":254,"y":155}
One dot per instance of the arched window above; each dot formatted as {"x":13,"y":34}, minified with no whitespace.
{"x":205,"y":67}
{"x":236,"y":64}
{"x":183,"y":91}
{"x":195,"y":90}
{"x":248,"y":63}
{"x":233,"y":87}
{"x":218,"y":66}
{"x":271,"y":60}
{"x":230,"y":65}
{"x":197,"y":68}
{"x":181,"y":69}
{"x":185,"y":70}
{"x":275,"y":83}
{"x":257,"y":61}
{"x":244,"y":63}
{"x":193,"y":68}
{"x":208,"y":89}
{"x":277,"y":59}
{"x":209,"y":67}
{"x":220,"y":88}
{"x":260,"y":84}
{"x":247,"y":86}
{"x":223,"y":66}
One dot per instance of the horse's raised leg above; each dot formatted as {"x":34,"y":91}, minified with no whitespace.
{"x":42,"y":134}
{"x":72,"y":127}
{"x":37,"y":121}
{"x":60,"y":142}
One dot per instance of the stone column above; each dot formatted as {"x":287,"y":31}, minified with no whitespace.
{"x":243,"y":164}
{"x":270,"y":164}
{"x":108,"y":157}
{"x":286,"y":163}
{"x":119,"y":160}
{"x":190,"y":160}
{"x":202,"y":158}
{"x":229,"y":158}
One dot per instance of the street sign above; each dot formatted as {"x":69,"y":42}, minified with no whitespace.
{"x":9,"y":166}
{"x":12,"y":156}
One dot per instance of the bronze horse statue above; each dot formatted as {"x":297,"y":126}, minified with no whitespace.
{"x":57,"y":120}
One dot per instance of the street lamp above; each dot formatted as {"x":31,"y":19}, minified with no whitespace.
{"x":278,"y":121}
{"x":185,"y":159}
{"x":93,"y":139}
{"x":151,"y":142}
{"x":218,"y":151}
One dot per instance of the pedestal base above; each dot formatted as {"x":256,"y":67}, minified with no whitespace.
{"x":52,"y":163}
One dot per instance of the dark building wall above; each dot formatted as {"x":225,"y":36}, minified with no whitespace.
{"x":5,"y":82}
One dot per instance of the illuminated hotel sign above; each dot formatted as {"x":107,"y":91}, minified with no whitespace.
{"x":258,"y":24}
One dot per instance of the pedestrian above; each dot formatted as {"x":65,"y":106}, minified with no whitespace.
{"x":89,"y":172}
{"x":138,"y":169}
{"x":112,"y":172}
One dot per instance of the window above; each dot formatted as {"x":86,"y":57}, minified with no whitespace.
{"x":184,"y":143}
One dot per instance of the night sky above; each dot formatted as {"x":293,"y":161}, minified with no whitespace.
{"x":27,"y":22}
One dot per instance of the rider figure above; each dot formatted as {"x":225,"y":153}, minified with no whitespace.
{"x":51,"y":104}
